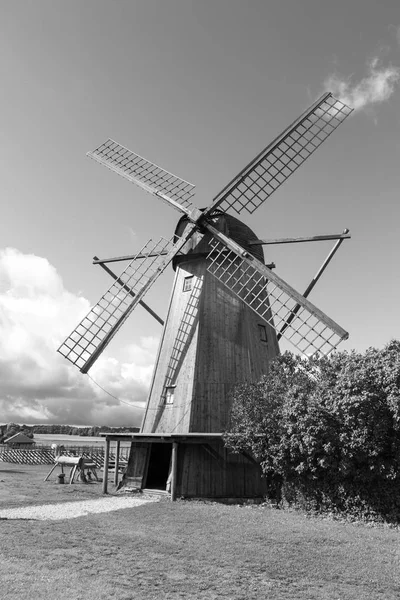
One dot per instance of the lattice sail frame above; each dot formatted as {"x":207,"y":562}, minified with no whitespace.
{"x":111,"y":311}
{"x":274,"y":165}
{"x":185,"y":330}
{"x":142,"y":172}
{"x":249,"y":189}
{"x":274,"y":301}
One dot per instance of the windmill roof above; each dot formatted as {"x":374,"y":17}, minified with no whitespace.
{"x":19,"y":438}
{"x":227,"y":224}
{"x":242,"y":234}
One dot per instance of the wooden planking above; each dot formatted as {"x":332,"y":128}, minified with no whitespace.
{"x":137,"y":465}
{"x":201,"y":475}
{"x":221,"y":347}
{"x":229,"y":352}
{"x":176,"y":362}
{"x":204,"y":469}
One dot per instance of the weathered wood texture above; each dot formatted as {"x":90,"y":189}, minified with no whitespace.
{"x":211,"y":342}
{"x":136,"y":469}
{"x":202,"y":470}
{"x":217,"y":474}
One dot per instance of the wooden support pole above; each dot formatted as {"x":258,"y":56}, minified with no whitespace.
{"x":151,"y":278}
{"x":251,"y":261}
{"x":105,"y":467}
{"x":250,"y":458}
{"x":314,"y":281}
{"x":72,"y":474}
{"x":116,"y":462}
{"x":314,"y":238}
{"x":215,"y":454}
{"x":100,"y":261}
{"x":174,"y":461}
{"x":96,"y":261}
{"x":52,"y":469}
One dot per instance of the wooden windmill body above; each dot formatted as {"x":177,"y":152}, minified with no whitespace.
{"x":210,"y":342}
{"x":226,"y":313}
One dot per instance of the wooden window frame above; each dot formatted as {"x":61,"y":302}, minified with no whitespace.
{"x":262,"y":333}
{"x":188,"y":282}
{"x":169,"y":395}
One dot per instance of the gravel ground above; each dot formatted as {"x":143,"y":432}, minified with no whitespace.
{"x":72,"y":510}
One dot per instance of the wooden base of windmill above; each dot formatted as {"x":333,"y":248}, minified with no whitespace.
{"x":190,"y":466}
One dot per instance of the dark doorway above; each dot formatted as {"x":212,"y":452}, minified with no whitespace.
{"x":157,"y":474}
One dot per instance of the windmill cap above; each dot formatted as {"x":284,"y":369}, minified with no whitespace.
{"x":238,"y":231}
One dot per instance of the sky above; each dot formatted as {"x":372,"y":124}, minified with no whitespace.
{"x":198,"y":88}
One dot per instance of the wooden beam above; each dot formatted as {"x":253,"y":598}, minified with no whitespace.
{"x":219,"y":198}
{"x":105,"y":466}
{"x":250,"y":457}
{"x":161,"y":437}
{"x":132,"y":177}
{"x":216,"y":455}
{"x":174,"y":465}
{"x":116,"y":462}
{"x":314,"y":238}
{"x":127,"y":289}
{"x":177,"y":246}
{"x":313,"y":282}
{"x":100,"y":261}
{"x":280,"y":283}
{"x":51,"y":470}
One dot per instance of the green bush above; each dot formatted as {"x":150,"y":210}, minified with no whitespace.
{"x":326,"y":431}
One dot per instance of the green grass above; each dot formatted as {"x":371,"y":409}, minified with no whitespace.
{"x":194,"y":550}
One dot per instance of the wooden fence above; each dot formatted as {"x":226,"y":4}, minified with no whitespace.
{"x":44,"y":455}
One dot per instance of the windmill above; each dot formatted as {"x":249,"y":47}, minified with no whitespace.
{"x":226,"y":313}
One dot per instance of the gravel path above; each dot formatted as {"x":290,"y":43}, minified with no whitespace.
{"x":72,"y":510}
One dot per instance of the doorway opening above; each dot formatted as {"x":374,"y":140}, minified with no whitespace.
{"x":159,"y":463}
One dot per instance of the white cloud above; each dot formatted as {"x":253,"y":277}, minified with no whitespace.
{"x":377,"y":86}
{"x":36,"y":383}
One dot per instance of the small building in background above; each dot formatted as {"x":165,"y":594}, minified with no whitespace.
{"x":20,"y":440}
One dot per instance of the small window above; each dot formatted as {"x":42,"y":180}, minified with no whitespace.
{"x":262,"y":330}
{"x":187,"y":283}
{"x":169,"y":394}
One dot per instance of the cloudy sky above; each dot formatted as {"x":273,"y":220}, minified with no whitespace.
{"x":199,"y":88}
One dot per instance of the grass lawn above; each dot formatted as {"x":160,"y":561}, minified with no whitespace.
{"x":194,"y":550}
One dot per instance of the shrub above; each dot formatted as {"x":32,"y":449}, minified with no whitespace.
{"x":326,"y":431}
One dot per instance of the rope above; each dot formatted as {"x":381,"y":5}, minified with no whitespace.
{"x":138,"y":405}
{"x":115,"y":397}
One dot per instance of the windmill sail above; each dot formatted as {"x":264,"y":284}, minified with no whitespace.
{"x":88,"y":340}
{"x":145,"y":174}
{"x":276,"y":163}
{"x":309,"y":330}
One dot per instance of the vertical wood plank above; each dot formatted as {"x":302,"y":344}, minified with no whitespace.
{"x":174,"y":464}
{"x":117,"y":462}
{"x":105,"y":467}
